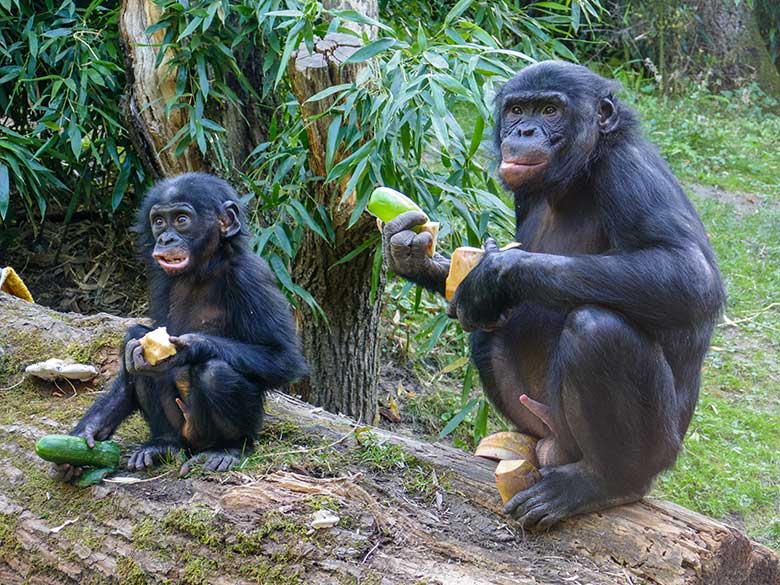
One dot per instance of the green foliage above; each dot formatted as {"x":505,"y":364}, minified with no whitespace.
{"x":62,"y":135}
{"x":728,"y":139}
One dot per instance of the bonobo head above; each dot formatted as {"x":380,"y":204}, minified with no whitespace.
{"x":187,"y":221}
{"x":551,"y":122}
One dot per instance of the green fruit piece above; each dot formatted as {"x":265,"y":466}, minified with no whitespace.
{"x":94,"y":476}
{"x":74,"y":450}
{"x":386,"y":204}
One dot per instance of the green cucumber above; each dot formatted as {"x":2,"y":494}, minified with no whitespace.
{"x":94,"y":476}
{"x":74,"y":450}
{"x":386,"y":204}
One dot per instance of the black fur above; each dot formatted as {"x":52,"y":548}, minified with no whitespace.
{"x":236,"y":329}
{"x":605,"y":313}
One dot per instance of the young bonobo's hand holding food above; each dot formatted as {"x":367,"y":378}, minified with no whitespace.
{"x":232,"y":336}
{"x":157,"y":346}
{"x":74,"y":452}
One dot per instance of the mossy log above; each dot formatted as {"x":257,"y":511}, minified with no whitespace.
{"x":410,"y":511}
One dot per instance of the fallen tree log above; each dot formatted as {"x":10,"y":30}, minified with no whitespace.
{"x":409,"y":511}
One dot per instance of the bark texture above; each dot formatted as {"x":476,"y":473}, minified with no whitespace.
{"x":253,"y":527}
{"x":344,"y":352}
{"x":150,"y":89}
{"x":733,"y":37}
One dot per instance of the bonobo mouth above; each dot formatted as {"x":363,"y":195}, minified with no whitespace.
{"x":172,"y":261}
{"x":516,"y":172}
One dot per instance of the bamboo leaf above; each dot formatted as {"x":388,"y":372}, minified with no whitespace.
{"x":370,"y":50}
{"x":5,"y":190}
{"x":457,"y":419}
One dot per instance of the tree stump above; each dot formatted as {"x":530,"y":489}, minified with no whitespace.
{"x":343,"y":352}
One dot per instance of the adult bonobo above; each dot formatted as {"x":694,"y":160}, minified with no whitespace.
{"x":232,"y":328}
{"x":591,"y":335}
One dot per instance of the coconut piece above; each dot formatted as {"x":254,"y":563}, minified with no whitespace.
{"x":324,"y":519}
{"x":432,"y":227}
{"x":55,"y":368}
{"x":463,"y":261}
{"x":513,"y":476}
{"x":508,"y":445}
{"x":157,"y":346}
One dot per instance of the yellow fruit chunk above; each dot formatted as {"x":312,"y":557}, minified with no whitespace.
{"x":157,"y":345}
{"x":508,"y":445}
{"x":513,"y":476}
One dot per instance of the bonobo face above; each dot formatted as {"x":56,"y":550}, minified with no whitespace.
{"x":172,"y":227}
{"x":532,"y":130}
{"x":549,"y":121}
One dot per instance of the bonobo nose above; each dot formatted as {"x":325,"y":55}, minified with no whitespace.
{"x":166,"y":239}
{"x":527,"y":131}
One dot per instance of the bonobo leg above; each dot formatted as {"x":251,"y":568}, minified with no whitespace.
{"x":223,"y":412}
{"x":156,"y":395}
{"x":612,"y":395}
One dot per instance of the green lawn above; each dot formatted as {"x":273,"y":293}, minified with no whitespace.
{"x":730,"y":468}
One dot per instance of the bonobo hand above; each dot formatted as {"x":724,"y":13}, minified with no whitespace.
{"x":480,"y":301}
{"x":136,"y":363}
{"x":406,"y":252}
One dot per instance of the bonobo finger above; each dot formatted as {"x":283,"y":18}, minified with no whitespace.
{"x":148,"y":459}
{"x":213,"y":462}
{"x":227,"y":463}
{"x":422,"y":242}
{"x":404,"y":222}
{"x":490,"y":245}
{"x":401,"y":243}
{"x":190,"y":463}
{"x":129,"y":348}
{"x":89,"y":436}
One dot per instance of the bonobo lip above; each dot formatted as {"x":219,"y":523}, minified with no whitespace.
{"x":172,"y":262}
{"x":519,"y":171}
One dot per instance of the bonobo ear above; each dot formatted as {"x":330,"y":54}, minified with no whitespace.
{"x":229,"y":223}
{"x":608,"y":115}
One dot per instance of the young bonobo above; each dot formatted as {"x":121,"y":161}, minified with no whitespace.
{"x":592,"y":333}
{"x":231,"y":326}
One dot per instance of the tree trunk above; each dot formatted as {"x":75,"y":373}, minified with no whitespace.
{"x":432,"y":516}
{"x":149,"y":89}
{"x":344,"y":352}
{"x":732,"y":36}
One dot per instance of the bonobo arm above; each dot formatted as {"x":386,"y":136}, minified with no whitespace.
{"x":406,"y":252}
{"x":274,"y":364}
{"x":110,"y":409}
{"x":107,"y":412}
{"x":669,"y":286}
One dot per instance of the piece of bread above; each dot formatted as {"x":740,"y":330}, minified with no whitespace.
{"x":157,"y":346}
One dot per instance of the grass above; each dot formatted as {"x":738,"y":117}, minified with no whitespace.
{"x":730,"y":466}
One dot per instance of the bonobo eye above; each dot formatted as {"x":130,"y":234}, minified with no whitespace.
{"x":182,"y":220}
{"x":517,"y":110}
{"x":550,"y":110}
{"x":157,"y":221}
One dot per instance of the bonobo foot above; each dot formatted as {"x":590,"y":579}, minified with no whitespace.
{"x":563,"y":491}
{"x":213,"y":460}
{"x":152,"y":454}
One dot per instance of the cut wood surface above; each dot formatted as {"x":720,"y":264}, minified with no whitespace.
{"x":254,"y":526}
